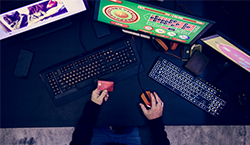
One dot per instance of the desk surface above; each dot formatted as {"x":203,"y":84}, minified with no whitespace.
{"x":26,"y":102}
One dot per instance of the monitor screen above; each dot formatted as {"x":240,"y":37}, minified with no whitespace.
{"x":151,"y":20}
{"x":37,"y":14}
{"x":229,"y":50}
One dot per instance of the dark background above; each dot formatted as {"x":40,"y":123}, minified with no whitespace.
{"x":25,"y":102}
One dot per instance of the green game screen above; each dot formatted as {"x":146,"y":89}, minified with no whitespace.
{"x":157,"y":22}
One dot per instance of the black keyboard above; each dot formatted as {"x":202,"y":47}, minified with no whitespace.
{"x":77,"y":77}
{"x":193,"y":89}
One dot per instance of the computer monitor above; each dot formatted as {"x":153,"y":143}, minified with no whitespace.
{"x":229,"y":49}
{"x":38,"y":14}
{"x":144,"y":19}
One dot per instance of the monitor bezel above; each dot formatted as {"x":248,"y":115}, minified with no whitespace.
{"x":237,"y":45}
{"x":210,"y":22}
{"x":233,"y":42}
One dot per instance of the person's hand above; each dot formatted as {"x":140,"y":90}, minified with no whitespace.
{"x":156,"y":109}
{"x":97,"y":98}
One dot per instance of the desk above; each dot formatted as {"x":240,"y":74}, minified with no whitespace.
{"x":26,"y":102}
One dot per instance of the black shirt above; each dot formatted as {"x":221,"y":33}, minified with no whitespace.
{"x":84,"y":129}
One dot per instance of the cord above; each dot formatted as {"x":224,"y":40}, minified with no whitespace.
{"x":172,"y":55}
{"x":173,"y":47}
{"x":140,"y":63}
{"x":164,"y":46}
{"x":182,"y":6}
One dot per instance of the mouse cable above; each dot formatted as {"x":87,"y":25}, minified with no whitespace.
{"x":140,"y":63}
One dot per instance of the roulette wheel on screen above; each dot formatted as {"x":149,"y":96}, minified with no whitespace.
{"x":121,"y":14}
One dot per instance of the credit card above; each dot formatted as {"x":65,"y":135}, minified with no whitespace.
{"x":105,"y":85}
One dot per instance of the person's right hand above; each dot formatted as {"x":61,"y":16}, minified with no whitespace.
{"x":156,"y":109}
{"x":97,"y":98}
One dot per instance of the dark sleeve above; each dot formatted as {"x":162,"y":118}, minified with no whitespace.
{"x":84,"y":129}
{"x":158,"y":134}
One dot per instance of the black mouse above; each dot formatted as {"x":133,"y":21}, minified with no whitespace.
{"x":243,"y":100}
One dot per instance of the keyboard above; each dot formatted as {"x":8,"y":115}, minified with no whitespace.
{"x":77,"y":76}
{"x":194,"y":89}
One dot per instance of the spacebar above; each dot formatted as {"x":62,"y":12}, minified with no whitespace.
{"x":84,"y":83}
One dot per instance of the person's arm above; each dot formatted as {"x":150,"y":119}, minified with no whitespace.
{"x":158,"y":134}
{"x":84,"y":129}
{"x":154,"y":115}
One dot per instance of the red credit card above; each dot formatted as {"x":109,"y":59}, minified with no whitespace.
{"x":105,"y":85}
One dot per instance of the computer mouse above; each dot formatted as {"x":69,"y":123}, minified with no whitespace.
{"x":146,"y":99}
{"x":243,"y":100}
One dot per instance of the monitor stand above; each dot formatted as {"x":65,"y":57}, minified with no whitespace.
{"x":46,"y":29}
{"x":101,"y":30}
{"x":136,"y":34}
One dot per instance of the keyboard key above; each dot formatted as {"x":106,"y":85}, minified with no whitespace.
{"x":79,"y":72}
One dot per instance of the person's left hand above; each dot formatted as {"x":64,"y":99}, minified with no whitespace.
{"x":97,"y":98}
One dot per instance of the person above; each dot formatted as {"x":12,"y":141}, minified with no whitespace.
{"x":86,"y":133}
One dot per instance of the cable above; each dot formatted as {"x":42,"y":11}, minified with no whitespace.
{"x":182,"y":6}
{"x":173,"y":45}
{"x":172,"y":55}
{"x":140,"y":63}
{"x":162,"y":44}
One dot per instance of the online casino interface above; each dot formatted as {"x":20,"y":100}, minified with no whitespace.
{"x":138,"y":17}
